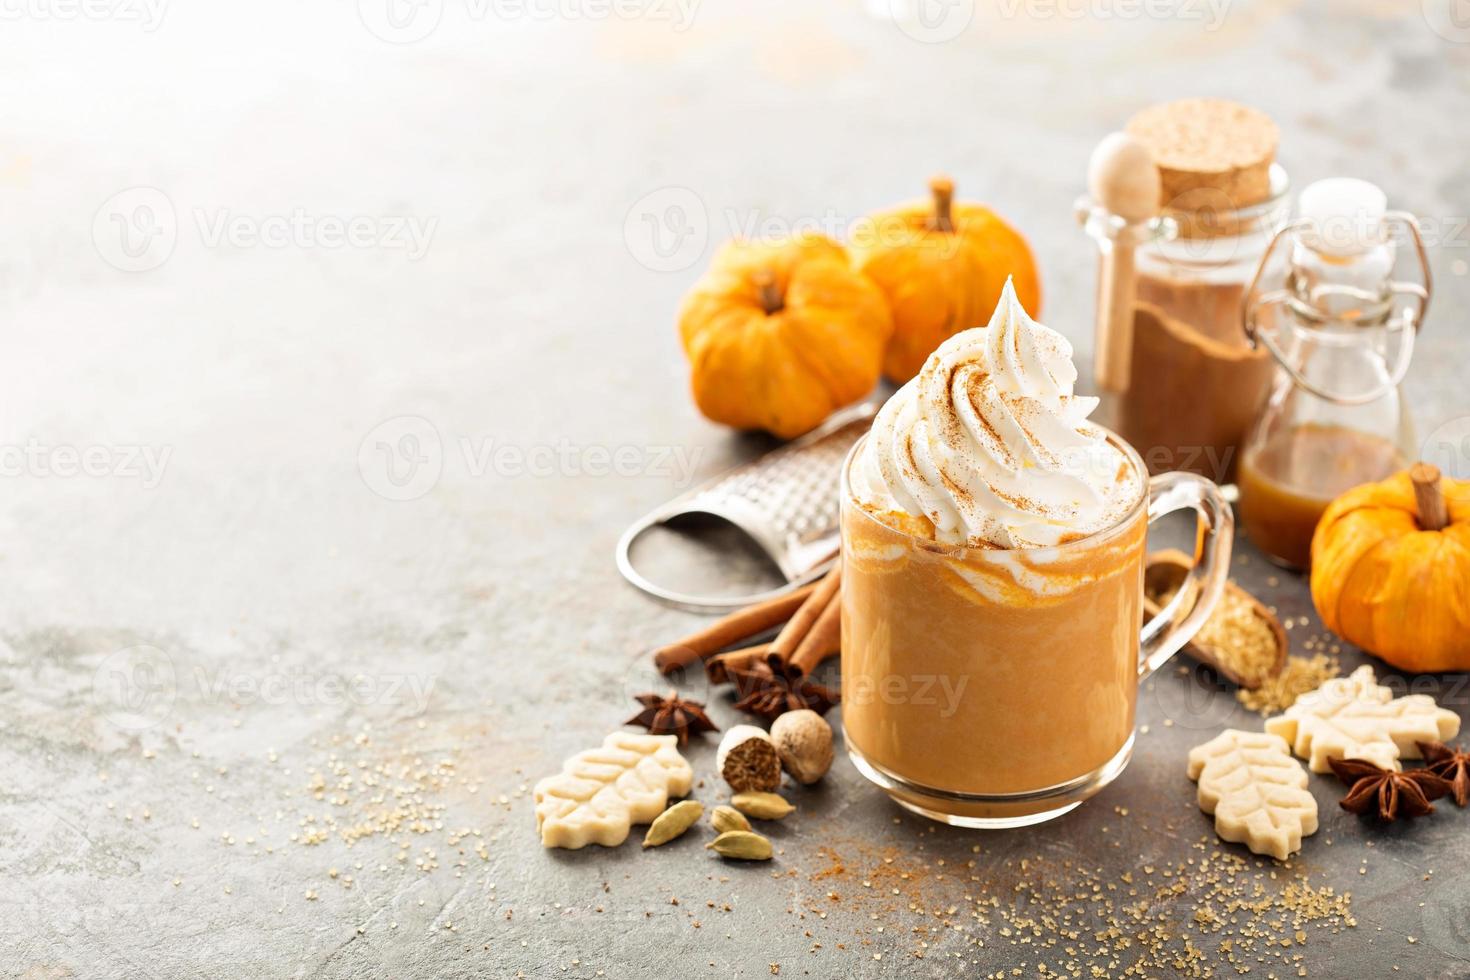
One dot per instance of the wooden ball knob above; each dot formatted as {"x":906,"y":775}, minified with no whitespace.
{"x":1122,"y":177}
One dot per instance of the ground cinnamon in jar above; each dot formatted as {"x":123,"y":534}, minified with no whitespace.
{"x":1195,"y":383}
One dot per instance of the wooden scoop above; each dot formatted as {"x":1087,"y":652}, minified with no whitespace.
{"x":1123,"y":180}
{"x":1163,"y":575}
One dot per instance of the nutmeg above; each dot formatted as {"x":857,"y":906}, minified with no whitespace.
{"x":803,"y":740}
{"x":748,"y":760}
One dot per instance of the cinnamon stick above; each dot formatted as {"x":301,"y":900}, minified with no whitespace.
{"x":718,"y":667}
{"x":1434,"y":513}
{"x":731,"y":629}
{"x":801,"y":622}
{"x":822,"y":640}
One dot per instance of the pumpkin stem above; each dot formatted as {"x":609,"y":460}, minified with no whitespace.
{"x":770,"y":294}
{"x":1434,"y":513}
{"x":943,"y":190}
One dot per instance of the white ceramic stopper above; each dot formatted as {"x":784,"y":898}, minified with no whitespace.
{"x":1345,"y":215}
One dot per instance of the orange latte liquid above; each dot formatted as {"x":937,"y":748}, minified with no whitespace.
{"x":989,"y":671}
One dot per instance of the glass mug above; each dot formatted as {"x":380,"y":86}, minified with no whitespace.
{"x":988,"y":687}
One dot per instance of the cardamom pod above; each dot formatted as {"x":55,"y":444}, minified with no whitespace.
{"x":742,"y":845}
{"x":724,"y":818}
{"x":673,"y":822}
{"x":762,"y":806}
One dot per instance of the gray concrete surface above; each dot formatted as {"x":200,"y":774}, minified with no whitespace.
{"x":231,"y":662}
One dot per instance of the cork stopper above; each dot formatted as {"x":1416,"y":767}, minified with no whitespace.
{"x":1208,"y":150}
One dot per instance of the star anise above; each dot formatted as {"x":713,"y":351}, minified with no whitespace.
{"x":772,"y":687}
{"x":1449,"y":763}
{"x":671,"y":715}
{"x":1396,"y":794}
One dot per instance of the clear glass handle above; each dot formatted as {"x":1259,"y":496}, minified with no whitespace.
{"x":1181,"y":618}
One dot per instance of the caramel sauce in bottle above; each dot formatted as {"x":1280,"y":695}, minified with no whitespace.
{"x":1278,"y":511}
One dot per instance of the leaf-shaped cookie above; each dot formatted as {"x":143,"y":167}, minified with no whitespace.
{"x":1355,"y":717}
{"x":599,"y":794}
{"x":1256,"y":790}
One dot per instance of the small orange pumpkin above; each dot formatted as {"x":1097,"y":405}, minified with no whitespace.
{"x":780,"y":335}
{"x":942,"y":266}
{"x":1391,"y":569}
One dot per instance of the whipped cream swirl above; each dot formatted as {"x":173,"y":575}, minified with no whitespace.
{"x":990,"y":446}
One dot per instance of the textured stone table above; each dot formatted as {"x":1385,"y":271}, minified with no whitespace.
{"x":338,"y":352}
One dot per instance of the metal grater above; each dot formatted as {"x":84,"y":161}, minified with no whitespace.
{"x":787,"y":501}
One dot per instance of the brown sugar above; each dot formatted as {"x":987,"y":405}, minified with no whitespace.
{"x":1300,"y":675}
{"x":1238,"y":638}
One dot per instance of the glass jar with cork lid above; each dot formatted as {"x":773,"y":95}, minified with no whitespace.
{"x":1178,"y":377}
